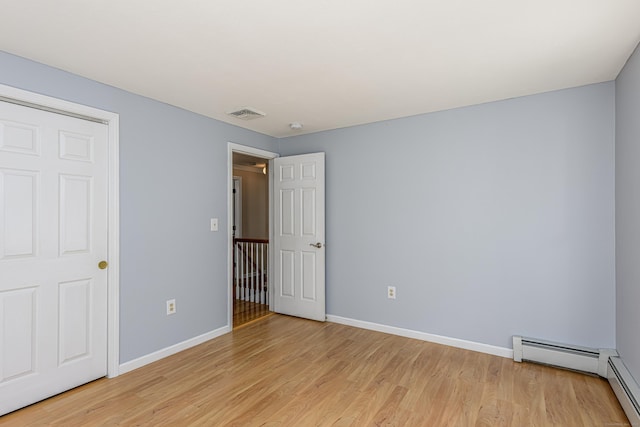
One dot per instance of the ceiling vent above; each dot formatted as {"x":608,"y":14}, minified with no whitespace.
{"x":246,"y":113}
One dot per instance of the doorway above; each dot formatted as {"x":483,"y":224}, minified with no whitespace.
{"x":249,"y":216}
{"x":296,"y":201}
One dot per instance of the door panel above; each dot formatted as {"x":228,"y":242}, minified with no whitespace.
{"x":308,"y":196}
{"x":53,"y":233}
{"x":19,"y":137}
{"x":18,"y":337}
{"x":75,"y":214}
{"x":17,"y":216}
{"x":75,"y":320}
{"x":308,"y":275}
{"x":287,"y":269}
{"x":76,"y":147}
{"x":287,"y":223}
{"x":299,"y":227}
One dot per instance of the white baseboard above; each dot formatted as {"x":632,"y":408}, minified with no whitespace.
{"x":166,"y":352}
{"x":423,"y":336}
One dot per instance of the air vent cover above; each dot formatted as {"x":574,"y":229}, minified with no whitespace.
{"x":246,"y":113}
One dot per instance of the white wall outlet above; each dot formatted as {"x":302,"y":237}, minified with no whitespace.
{"x":391,"y":292}
{"x":171,"y":306}
{"x":214,"y":224}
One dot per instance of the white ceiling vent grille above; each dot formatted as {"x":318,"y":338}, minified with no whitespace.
{"x":246,"y":113}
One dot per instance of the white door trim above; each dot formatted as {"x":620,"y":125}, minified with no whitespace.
{"x":113,"y":237}
{"x":237,"y":213}
{"x":244,"y":149}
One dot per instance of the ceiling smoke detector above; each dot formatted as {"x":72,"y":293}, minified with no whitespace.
{"x":246,"y":113}
{"x":295,"y":126}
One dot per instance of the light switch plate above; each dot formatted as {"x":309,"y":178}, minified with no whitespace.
{"x":214,"y":224}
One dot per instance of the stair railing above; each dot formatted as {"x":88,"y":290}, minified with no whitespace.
{"x":250,"y":270}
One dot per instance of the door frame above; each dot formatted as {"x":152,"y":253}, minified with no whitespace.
{"x":232,"y":147}
{"x":237,"y":206}
{"x":111,"y":120}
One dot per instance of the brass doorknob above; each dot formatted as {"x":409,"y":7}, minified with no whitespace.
{"x":103,"y":264}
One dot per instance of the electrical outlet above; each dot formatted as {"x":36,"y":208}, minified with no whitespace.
{"x":171,"y":306}
{"x":391,"y":292}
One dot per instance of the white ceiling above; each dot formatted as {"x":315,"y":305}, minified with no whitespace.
{"x":326,"y":63}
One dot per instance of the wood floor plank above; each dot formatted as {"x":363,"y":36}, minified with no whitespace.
{"x":283,"y":371}
{"x":245,"y":312}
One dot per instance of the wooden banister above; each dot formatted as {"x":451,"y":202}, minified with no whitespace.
{"x":242,"y":240}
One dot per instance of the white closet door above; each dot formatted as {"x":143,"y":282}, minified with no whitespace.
{"x":53,"y":235}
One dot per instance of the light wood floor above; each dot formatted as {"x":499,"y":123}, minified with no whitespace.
{"x":284,"y":371}
{"x":246,"y":311}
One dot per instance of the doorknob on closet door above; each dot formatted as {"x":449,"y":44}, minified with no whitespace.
{"x":316,"y":245}
{"x":103,"y":264}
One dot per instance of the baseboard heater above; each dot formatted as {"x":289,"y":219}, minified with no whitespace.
{"x":603,"y":362}
{"x":625,"y":388}
{"x":583,"y":359}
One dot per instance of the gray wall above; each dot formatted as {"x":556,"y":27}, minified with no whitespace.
{"x":628,"y":213}
{"x":173,"y":178}
{"x":491,"y":220}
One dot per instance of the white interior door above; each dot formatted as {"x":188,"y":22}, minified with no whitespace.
{"x":53,"y":234}
{"x":299,"y":236}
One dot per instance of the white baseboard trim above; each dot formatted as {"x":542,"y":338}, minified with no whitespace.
{"x":423,"y":336}
{"x":176,"y":348}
